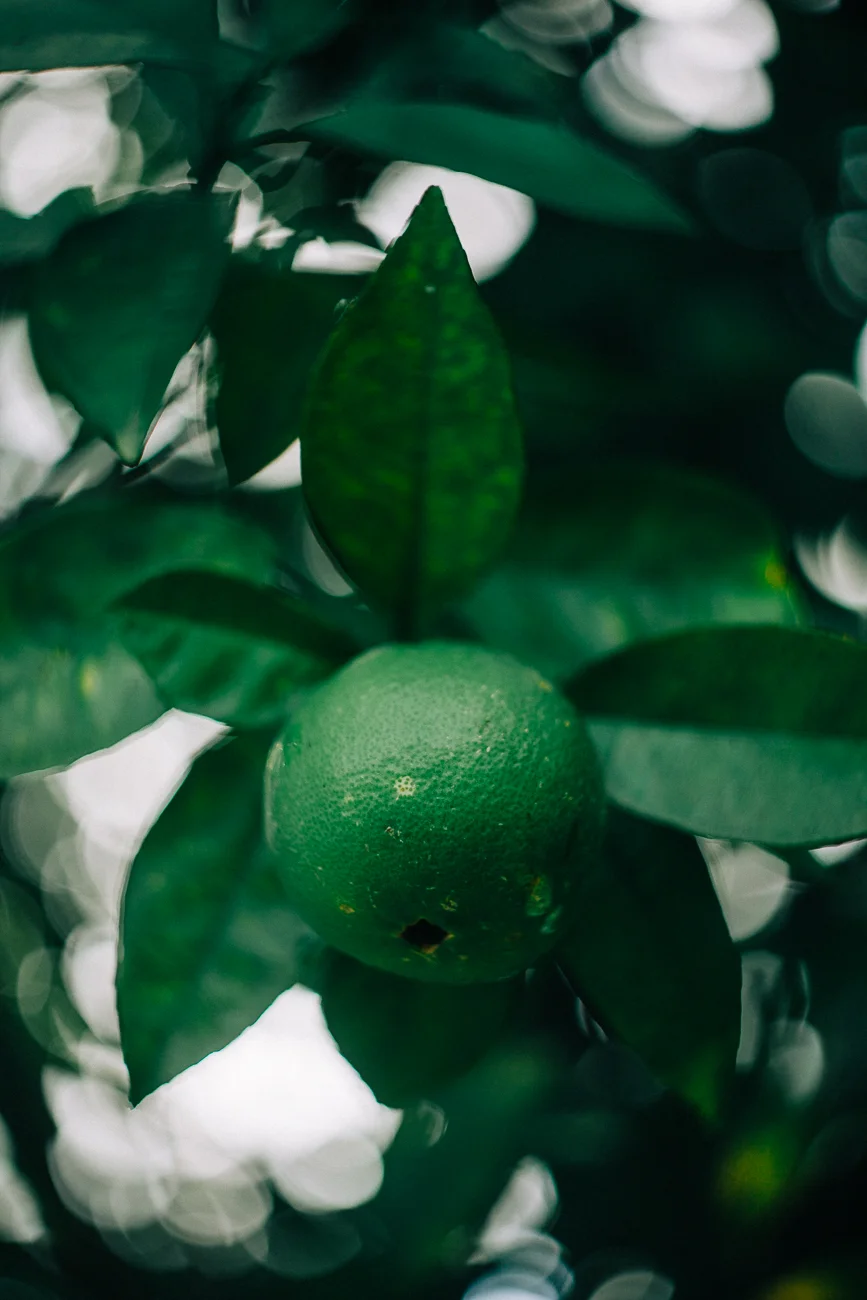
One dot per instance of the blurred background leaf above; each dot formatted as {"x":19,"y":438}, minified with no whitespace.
{"x":740,"y":733}
{"x":651,"y":955}
{"x":86,"y":33}
{"x":609,"y":554}
{"x":409,"y":1040}
{"x":207,"y":938}
{"x":216,"y":645}
{"x":270,"y":327}
{"x":545,"y":160}
{"x":119,"y":302}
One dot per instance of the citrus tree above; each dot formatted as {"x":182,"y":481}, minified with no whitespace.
{"x":480,"y":791}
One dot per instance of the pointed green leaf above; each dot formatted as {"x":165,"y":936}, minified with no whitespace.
{"x":207,"y":939}
{"x":224,"y":647}
{"x":41,"y":34}
{"x":616,"y":553}
{"x":748,"y":733}
{"x":411,"y":447}
{"x":270,"y":327}
{"x":119,"y":302}
{"x":651,"y":956}
{"x":543,"y":159}
{"x":408,"y":1039}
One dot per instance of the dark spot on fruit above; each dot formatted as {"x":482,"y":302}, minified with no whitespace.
{"x":424,"y":936}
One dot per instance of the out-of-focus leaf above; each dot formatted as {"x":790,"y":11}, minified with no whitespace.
{"x":78,"y":559}
{"x":119,"y":302}
{"x":218,"y":645}
{"x":445,"y":1170}
{"x":173,"y":117}
{"x":743,"y":733}
{"x":207,"y":939}
{"x":41,"y":34}
{"x":407,"y":1039}
{"x":62,"y":697}
{"x":617,"y":553}
{"x":69,"y":687}
{"x":287,"y":28}
{"x":411,"y":446}
{"x":651,"y":955}
{"x":23,"y":239}
{"x":543,"y":159}
{"x":270,"y":327}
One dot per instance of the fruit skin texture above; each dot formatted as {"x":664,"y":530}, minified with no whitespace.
{"x":436,"y":810}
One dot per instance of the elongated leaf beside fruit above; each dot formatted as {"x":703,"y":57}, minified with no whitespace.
{"x":207,"y":939}
{"x":615,"y":553}
{"x":411,"y":447}
{"x":650,"y":953}
{"x":218,"y":645}
{"x":738,"y":733}
{"x":118,"y":303}
{"x":543,"y":159}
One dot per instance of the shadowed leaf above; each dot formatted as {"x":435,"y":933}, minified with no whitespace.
{"x":207,"y":939}
{"x":118,"y":303}
{"x":738,"y":733}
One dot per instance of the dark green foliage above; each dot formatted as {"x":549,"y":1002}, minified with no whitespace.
{"x":39,"y":34}
{"x":688,"y":1064}
{"x":608,"y":554}
{"x":69,"y":685}
{"x":411,"y":449}
{"x":741,"y":733}
{"x":119,"y":302}
{"x":408,"y":1040}
{"x":543,"y":159}
{"x":207,"y":941}
{"x":651,"y":955}
{"x":221,"y":646}
{"x":270,"y":327}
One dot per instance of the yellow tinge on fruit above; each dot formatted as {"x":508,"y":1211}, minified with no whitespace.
{"x":436,"y":810}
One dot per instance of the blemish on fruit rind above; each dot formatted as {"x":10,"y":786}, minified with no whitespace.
{"x":539,"y":898}
{"x":543,"y":685}
{"x":404,"y":787}
{"x":449,"y":905}
{"x":344,"y":907}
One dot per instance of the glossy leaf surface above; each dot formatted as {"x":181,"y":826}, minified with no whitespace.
{"x":736,"y":733}
{"x":411,"y":447}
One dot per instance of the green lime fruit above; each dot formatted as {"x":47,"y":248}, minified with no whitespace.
{"x":435,"y":810}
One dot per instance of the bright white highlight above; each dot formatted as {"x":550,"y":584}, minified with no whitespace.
{"x":492,"y":222}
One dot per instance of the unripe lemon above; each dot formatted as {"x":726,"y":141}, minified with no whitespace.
{"x":435,"y":809}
